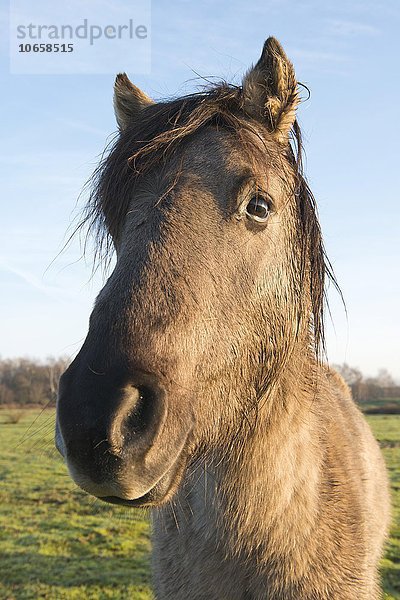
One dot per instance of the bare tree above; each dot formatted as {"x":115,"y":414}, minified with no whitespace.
{"x":351,"y":375}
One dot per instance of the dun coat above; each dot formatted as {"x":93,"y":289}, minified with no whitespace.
{"x":200,"y":390}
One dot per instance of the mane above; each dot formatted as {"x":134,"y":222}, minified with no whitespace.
{"x":156,"y":136}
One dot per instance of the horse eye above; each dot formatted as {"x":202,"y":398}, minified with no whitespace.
{"x":258,"y":209}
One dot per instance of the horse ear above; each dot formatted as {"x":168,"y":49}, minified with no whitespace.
{"x":270,"y":90}
{"x":129,"y":101}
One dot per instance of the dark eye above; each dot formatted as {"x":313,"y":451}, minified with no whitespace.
{"x":258,"y":209}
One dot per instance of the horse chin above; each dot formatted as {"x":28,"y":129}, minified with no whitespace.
{"x":158,"y":495}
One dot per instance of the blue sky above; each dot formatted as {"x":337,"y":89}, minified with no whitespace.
{"x":54,"y":128}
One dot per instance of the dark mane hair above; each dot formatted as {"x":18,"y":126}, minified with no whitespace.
{"x":156,"y":136}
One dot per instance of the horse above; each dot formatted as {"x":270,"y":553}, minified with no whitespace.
{"x":201,"y":389}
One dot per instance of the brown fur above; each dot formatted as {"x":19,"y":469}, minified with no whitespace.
{"x":265,"y":479}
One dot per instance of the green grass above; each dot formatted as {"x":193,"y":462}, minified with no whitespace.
{"x":55,"y":541}
{"x":58,"y":543}
{"x":387,"y":431}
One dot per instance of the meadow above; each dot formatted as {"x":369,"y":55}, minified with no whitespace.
{"x":58,"y":543}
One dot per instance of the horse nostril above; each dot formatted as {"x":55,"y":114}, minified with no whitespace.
{"x":134,"y":418}
{"x":138,"y":417}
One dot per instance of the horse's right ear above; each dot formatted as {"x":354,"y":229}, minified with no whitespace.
{"x":270,"y":91}
{"x":129,"y":101}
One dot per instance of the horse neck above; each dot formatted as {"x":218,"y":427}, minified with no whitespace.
{"x":265,"y":487}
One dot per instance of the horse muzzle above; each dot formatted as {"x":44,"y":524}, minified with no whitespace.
{"x":123,"y":438}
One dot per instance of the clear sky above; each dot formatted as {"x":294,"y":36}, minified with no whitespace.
{"x":55,"y":126}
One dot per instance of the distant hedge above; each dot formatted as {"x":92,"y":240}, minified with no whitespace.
{"x":25,"y":381}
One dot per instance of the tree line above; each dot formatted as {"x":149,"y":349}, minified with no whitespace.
{"x":369,"y":389}
{"x":25,"y":381}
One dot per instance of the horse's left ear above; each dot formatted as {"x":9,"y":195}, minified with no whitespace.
{"x":270,"y":90}
{"x":129,"y":101}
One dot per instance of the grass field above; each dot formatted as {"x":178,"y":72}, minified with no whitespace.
{"x":58,"y":543}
